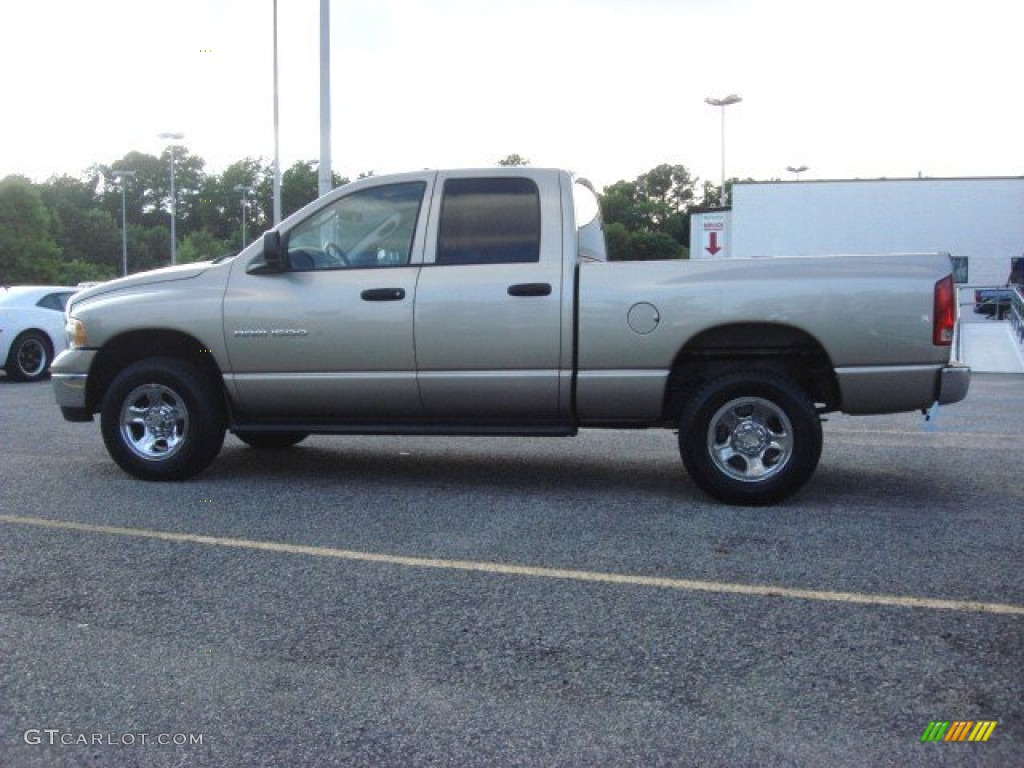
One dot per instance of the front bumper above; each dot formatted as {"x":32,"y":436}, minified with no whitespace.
{"x":69,"y":375}
{"x":954,"y":382}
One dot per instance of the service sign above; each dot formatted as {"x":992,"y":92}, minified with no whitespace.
{"x":710,"y":235}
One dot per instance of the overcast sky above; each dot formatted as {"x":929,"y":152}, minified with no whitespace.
{"x":606,"y":88}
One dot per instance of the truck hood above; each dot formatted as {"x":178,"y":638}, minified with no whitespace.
{"x":162,"y":275}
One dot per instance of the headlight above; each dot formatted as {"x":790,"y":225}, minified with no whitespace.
{"x":75,"y":331}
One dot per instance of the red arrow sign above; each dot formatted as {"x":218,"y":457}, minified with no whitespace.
{"x":713,"y":248}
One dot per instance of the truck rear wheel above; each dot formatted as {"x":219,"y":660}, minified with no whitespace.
{"x":750,"y":438}
{"x":162,"y":419}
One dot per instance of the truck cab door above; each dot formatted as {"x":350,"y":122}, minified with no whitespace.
{"x":330,"y":338}
{"x":491,"y":305}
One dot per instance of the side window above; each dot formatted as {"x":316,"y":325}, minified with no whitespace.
{"x":489,"y":221}
{"x":370,"y":228}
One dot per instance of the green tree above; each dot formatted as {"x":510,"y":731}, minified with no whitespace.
{"x":144,"y":192}
{"x":85,"y":232}
{"x":150,"y":188}
{"x":28,"y":252}
{"x":712,"y":194}
{"x":617,"y":241}
{"x":219,"y":208}
{"x":203,"y":245}
{"x":621,"y":204}
{"x":300,"y":185}
{"x":513,"y":160}
{"x":650,"y":246}
{"x":641,"y":245}
{"x":148,"y":247}
{"x":77,"y":271}
{"x":188,"y":182}
{"x":653,"y":212}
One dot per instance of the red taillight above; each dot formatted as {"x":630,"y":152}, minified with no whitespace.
{"x":944,"y":316}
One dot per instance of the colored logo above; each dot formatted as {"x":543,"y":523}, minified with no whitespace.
{"x":959,"y":730}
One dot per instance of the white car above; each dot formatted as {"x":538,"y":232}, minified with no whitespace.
{"x":32,"y":328}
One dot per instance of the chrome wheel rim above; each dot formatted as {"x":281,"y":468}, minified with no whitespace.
{"x":154,"y":422}
{"x":31,"y":357}
{"x":750,"y":439}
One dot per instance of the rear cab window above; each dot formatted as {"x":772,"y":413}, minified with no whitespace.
{"x":489,"y":221}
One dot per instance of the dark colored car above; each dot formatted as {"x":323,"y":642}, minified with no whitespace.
{"x":993,"y":302}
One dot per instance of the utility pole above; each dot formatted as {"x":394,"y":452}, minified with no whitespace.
{"x":121,"y":176}
{"x":324,"y":173}
{"x":722,"y":103}
{"x":246,"y":191}
{"x":277,"y":134}
{"x":174,"y":201}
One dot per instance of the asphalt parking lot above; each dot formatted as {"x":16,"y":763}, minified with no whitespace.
{"x":463,"y":602}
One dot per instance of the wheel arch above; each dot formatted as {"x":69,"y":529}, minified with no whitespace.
{"x":776,"y":347}
{"x":130,"y":347}
{"x":34,"y":329}
{"x":12,"y":348}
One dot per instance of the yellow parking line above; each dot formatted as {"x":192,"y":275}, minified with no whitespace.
{"x":503,"y":569}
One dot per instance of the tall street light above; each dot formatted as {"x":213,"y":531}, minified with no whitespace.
{"x":722,"y":103}
{"x":174,"y":202}
{"x":277,"y":134}
{"x":796,"y":169}
{"x":121,"y":176}
{"x":324,"y":170}
{"x":246,"y":191}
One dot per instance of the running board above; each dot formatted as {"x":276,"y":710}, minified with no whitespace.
{"x":451,"y":430}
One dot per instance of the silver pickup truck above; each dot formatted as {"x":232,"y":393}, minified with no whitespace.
{"x":480,"y":302}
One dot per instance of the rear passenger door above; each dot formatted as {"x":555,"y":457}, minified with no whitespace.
{"x":489,"y":306}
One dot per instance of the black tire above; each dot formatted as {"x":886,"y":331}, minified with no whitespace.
{"x":750,"y":438}
{"x":29,"y":357}
{"x":163,"y":419}
{"x":271,"y":441}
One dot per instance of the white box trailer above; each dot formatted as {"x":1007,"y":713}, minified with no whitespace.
{"x":981,"y":219}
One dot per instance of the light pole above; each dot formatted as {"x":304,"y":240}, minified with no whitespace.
{"x":121,"y":176}
{"x":797,"y":169}
{"x":174,"y":203}
{"x":324,"y":170}
{"x":246,"y":191}
{"x":722,"y":103}
{"x":277,"y":134}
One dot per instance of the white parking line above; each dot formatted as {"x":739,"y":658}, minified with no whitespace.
{"x":502,"y":569}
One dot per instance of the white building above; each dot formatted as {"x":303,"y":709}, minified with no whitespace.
{"x":981,"y":219}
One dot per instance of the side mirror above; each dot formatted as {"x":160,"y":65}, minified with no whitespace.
{"x":273,"y":252}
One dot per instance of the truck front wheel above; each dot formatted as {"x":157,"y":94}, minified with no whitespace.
{"x":750,"y":438}
{"x":162,"y":419}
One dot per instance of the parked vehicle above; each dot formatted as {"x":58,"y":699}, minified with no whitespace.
{"x":993,"y":302}
{"x":480,"y":302}
{"x":31,"y":328}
